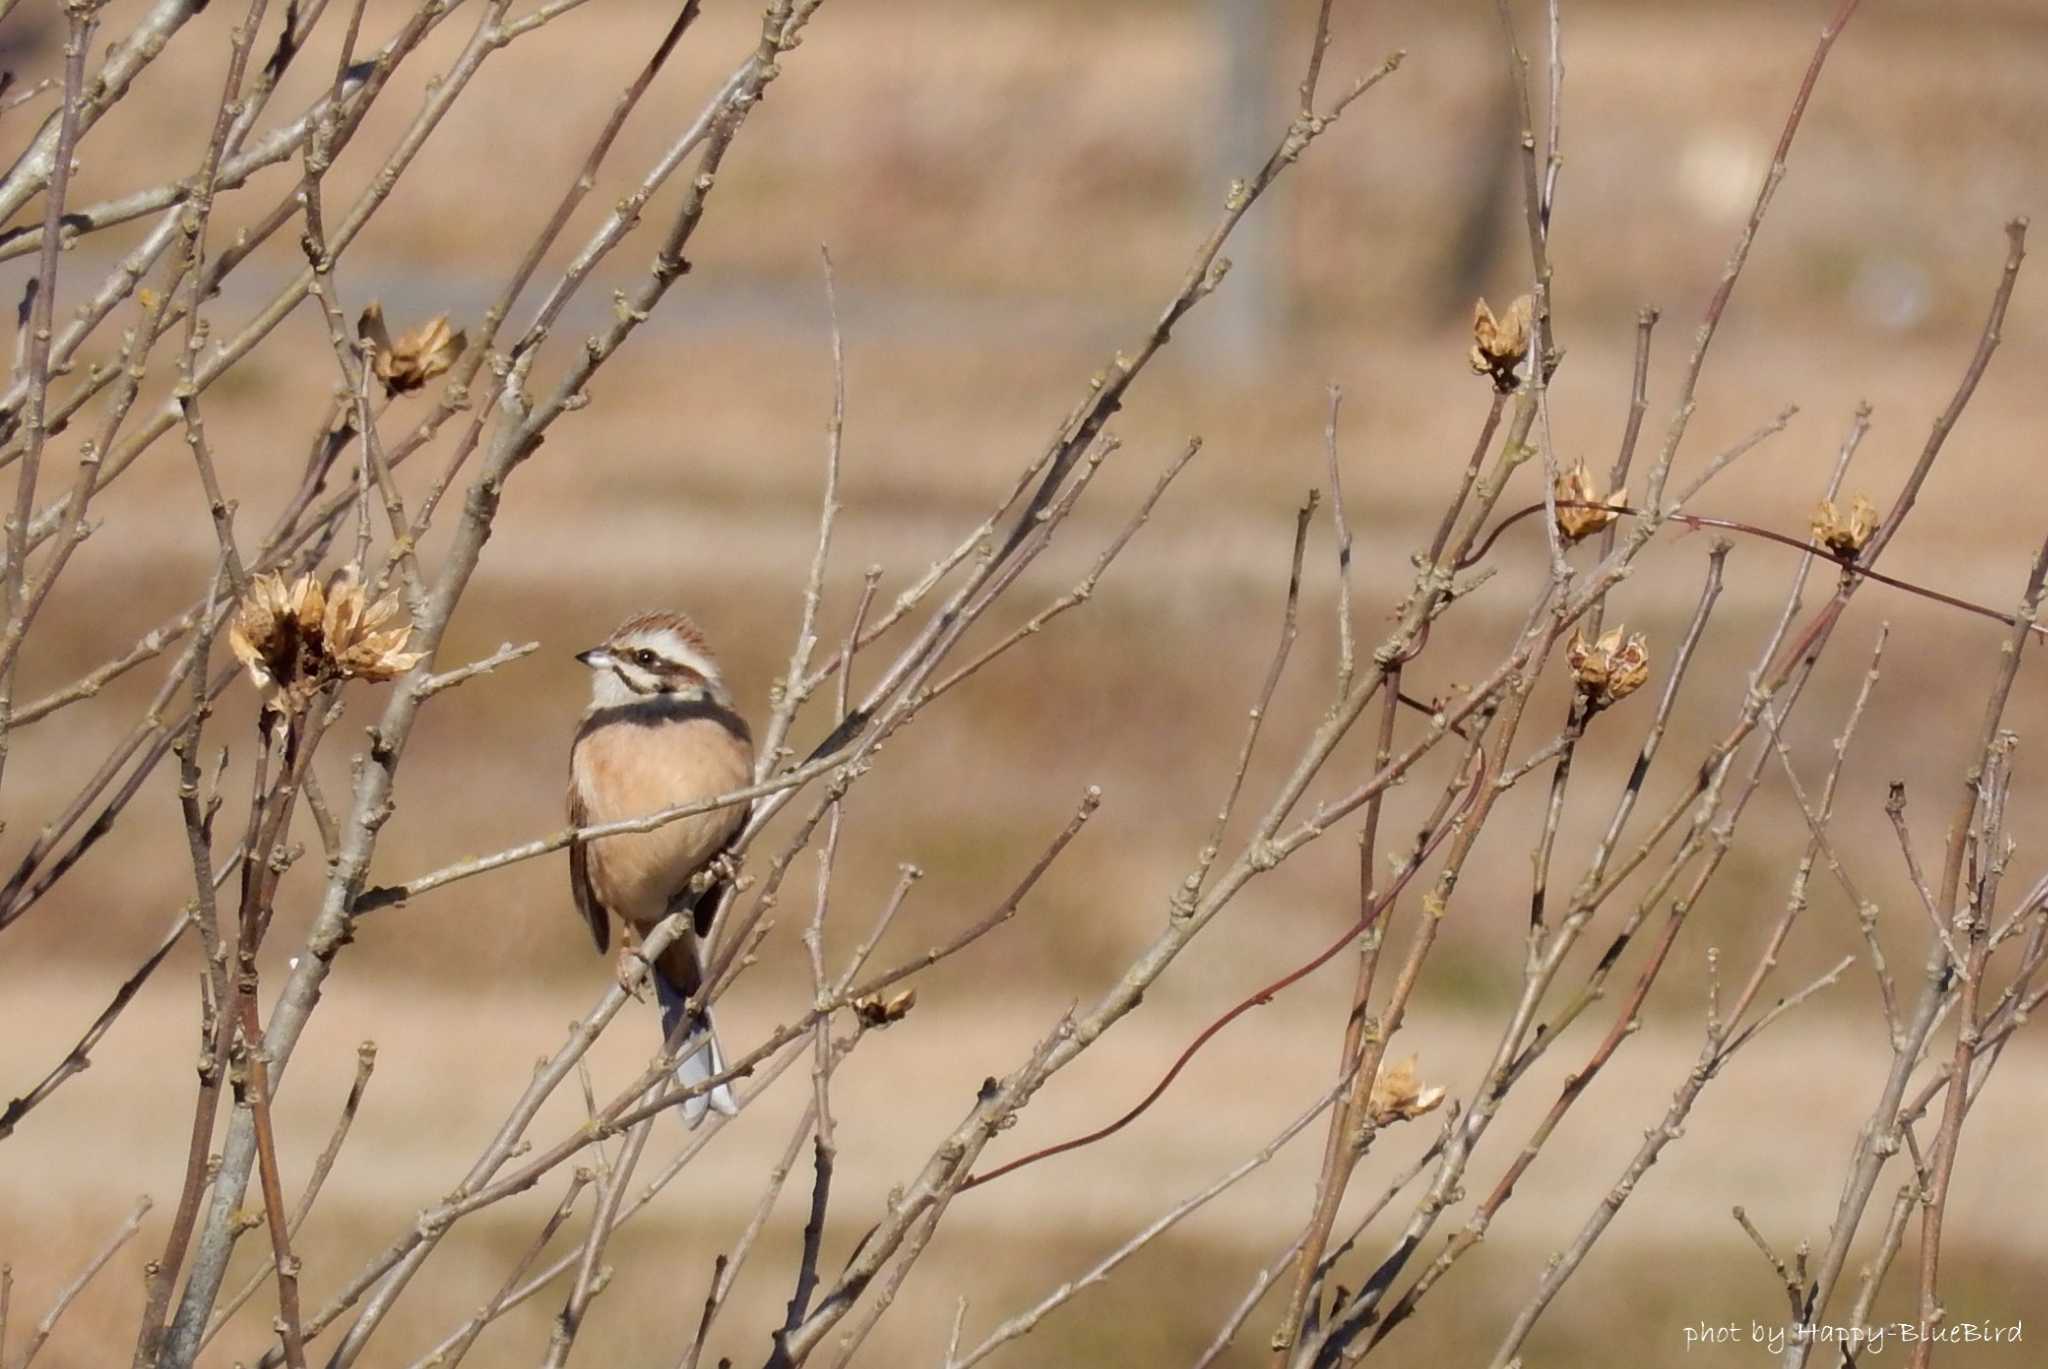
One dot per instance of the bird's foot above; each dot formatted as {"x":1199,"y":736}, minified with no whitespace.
{"x":723,"y":868}
{"x":632,"y":970}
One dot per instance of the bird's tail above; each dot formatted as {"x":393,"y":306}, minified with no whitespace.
{"x":701,"y":1057}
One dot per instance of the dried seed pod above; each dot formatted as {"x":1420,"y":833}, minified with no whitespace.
{"x":1845,"y":535}
{"x":416,"y":356}
{"x":875,"y":1011}
{"x":298,"y":638}
{"x":1575,"y":487}
{"x":350,"y":637}
{"x":275,"y":633}
{"x":1398,"y":1096}
{"x":1610,"y":669}
{"x":1500,"y":344}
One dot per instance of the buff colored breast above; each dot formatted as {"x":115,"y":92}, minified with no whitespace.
{"x":641,"y":770}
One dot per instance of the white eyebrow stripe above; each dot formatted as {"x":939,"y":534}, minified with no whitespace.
{"x":679,"y":651}
{"x":698,"y":662}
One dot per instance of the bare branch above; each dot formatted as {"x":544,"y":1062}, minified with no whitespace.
{"x":69,"y":1293}
{"x":1024,"y":1322}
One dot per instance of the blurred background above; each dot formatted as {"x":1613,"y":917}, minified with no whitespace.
{"x":1011,"y":191}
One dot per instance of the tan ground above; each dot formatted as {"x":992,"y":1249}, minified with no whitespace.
{"x":1011,"y":191}
{"x":1766,"y":1139}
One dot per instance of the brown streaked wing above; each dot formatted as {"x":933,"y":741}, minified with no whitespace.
{"x":579,"y":877}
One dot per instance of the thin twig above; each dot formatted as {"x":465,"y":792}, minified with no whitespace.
{"x":1258,"y":998}
{"x":1991,"y":778}
{"x":80,"y":1054}
{"x":1688,"y":384}
{"x":69,"y":1293}
{"x":1792,"y":1285}
{"x":791,"y":694}
{"x":452,"y":1351}
{"x":728,"y":1268}
{"x":1026,"y":1321}
{"x":504,"y":655}
{"x":1213,"y":847}
{"x":366,"y":1061}
{"x":513,"y":1292}
{"x":590,"y":1277}
{"x":1345,"y":648}
{"x":1871,"y":1149}
{"x":1669,"y":1128}
{"x":81,"y":19}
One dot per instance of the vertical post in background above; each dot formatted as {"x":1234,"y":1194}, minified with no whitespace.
{"x":1251,"y":308}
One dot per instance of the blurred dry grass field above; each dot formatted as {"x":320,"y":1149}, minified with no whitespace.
{"x":1009,"y":191}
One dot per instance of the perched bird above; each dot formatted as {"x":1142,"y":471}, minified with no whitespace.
{"x":659,"y":732}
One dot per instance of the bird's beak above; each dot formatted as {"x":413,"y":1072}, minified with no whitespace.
{"x":597,"y":658}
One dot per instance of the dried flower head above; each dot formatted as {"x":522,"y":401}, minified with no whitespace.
{"x":416,"y":357}
{"x":1575,"y":487}
{"x":1610,"y":669}
{"x":1842,"y":535}
{"x":877,"y":1011}
{"x":1500,"y":344}
{"x":1398,"y":1096}
{"x":276,"y":628}
{"x":298,"y":638}
{"x":351,"y":637}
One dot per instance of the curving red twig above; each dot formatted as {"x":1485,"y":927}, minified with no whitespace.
{"x":1696,"y":521}
{"x":1258,"y":998}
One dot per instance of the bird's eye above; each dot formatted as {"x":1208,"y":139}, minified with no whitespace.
{"x":644,"y":657}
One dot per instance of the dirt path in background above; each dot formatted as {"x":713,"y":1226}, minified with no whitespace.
{"x":448,"y":1067}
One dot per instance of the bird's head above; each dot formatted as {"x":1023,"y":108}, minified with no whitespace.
{"x":651,"y":656}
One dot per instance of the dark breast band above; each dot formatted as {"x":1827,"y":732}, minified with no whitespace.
{"x":657,"y":710}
